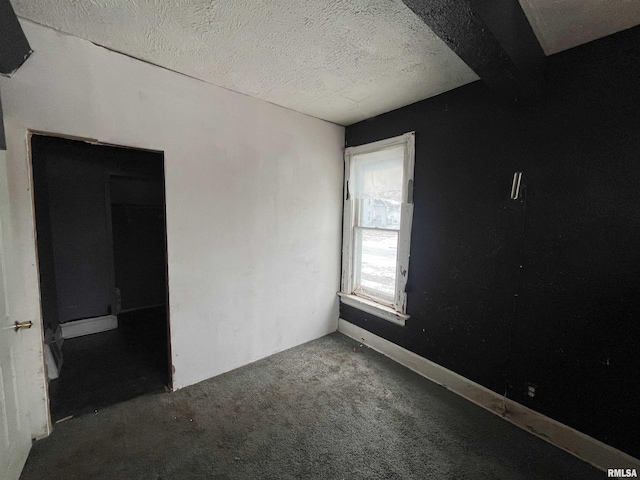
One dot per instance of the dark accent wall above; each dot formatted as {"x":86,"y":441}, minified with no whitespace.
{"x":73,"y":224}
{"x":543,"y":290}
{"x":137,"y":212}
{"x":14,"y":47}
{"x":494,"y":39}
{"x":3,"y":138}
{"x":46,"y":264}
{"x":76,"y":187}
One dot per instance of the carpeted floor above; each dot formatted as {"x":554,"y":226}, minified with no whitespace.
{"x":321,"y":411}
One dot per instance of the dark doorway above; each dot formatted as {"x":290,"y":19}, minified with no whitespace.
{"x":101,"y":238}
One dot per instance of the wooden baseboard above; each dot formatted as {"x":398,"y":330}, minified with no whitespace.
{"x":586,"y":448}
{"x":87,"y":326}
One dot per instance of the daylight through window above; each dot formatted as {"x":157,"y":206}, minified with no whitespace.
{"x":378,"y":210}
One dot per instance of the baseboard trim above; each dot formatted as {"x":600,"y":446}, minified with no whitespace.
{"x":57,"y":336}
{"x":87,"y":326}
{"x":145,"y":307}
{"x":53,"y":352}
{"x":586,"y":448}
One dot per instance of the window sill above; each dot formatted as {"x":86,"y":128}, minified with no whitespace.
{"x":373,"y":308}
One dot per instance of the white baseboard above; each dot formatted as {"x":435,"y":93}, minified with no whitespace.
{"x":53,"y":371}
{"x":57,"y":336}
{"x":144,"y":307}
{"x":53,"y":352}
{"x":88,"y":326}
{"x":586,"y":448}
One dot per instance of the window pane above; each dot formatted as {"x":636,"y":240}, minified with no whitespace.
{"x":378,"y":174}
{"x":375,"y":263}
{"x":377,"y":213}
{"x":376,"y":184}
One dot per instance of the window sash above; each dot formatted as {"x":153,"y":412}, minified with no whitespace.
{"x":361,"y":222}
{"x":351,"y":222}
{"x":360,"y":287}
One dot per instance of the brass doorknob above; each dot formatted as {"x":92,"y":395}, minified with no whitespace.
{"x":18,"y":326}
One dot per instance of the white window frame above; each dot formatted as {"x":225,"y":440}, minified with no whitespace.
{"x":396,"y":312}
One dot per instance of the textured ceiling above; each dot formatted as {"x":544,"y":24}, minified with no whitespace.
{"x":563,"y":24}
{"x":339,"y":60}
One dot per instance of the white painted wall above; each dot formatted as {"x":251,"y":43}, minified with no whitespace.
{"x":563,"y":25}
{"x":253,"y":200}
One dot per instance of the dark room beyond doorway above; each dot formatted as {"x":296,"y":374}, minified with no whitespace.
{"x":101,"y":239}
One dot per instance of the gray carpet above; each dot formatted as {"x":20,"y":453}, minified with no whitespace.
{"x":321,"y":411}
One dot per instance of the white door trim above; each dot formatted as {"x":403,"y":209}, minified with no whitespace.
{"x":24,"y":290}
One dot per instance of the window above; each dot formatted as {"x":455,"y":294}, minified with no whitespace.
{"x":378,"y":210}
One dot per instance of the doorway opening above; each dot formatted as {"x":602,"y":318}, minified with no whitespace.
{"x":102,"y":262}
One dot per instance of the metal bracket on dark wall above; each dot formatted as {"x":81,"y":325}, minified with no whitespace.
{"x":515,"y":186}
